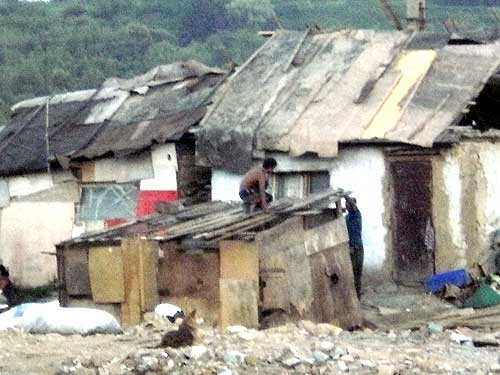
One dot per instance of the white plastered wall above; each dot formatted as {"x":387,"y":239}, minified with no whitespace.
{"x":466,"y":205}
{"x":28,"y":229}
{"x":360,"y":170}
{"x":40,"y":214}
{"x":225,"y":185}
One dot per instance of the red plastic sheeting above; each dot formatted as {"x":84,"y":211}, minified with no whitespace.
{"x":147,"y":200}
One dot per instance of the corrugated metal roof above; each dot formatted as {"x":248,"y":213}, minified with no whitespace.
{"x":122,"y":116}
{"x":306,"y":92}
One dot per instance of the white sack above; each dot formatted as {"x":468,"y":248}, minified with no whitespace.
{"x":51,"y":318}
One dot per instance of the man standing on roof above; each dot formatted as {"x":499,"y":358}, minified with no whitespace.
{"x":354,"y":227}
{"x":253,"y":186}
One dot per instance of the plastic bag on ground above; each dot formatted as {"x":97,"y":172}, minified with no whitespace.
{"x":169,"y":311}
{"x":49,"y":317}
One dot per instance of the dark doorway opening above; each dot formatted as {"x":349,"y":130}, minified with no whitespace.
{"x":411,"y":221}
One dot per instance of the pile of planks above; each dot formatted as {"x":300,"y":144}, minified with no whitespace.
{"x":204,"y":225}
{"x":208,"y":230}
{"x":487,"y":318}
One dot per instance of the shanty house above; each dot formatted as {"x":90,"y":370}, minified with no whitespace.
{"x":407,"y":122}
{"x":90,"y":159}
{"x":232,"y":267}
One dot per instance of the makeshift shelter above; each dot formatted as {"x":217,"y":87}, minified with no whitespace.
{"x":89,"y":159}
{"x":232,"y":266}
{"x":408,"y":122}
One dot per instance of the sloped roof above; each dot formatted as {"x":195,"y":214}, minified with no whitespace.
{"x":204,"y":225}
{"x":122,"y":116}
{"x":306,"y":92}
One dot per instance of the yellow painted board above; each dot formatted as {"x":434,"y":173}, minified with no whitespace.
{"x":106,"y":274}
{"x":148,"y":271}
{"x":239,"y":303}
{"x":239,"y":260}
{"x":413,"y":66}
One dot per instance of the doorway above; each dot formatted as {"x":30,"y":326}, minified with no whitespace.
{"x":411,"y":218}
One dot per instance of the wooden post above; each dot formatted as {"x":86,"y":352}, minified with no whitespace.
{"x":140,"y":259}
{"x":61,"y":277}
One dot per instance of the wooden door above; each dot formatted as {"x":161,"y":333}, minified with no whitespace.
{"x":412,"y":231}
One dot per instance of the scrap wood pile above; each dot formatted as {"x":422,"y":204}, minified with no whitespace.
{"x":488,"y":318}
{"x":475,"y":295}
{"x":204,"y":225}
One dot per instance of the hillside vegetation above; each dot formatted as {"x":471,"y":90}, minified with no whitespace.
{"x":66,"y":45}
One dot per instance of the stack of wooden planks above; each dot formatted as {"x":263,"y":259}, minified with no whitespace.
{"x":487,"y":318}
{"x":208,"y":230}
{"x":204,"y":225}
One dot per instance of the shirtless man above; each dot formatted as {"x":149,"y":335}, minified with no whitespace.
{"x":253,"y":186}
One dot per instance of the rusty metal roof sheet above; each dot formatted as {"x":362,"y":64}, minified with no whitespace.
{"x":164,"y":113}
{"x":307,"y":92}
{"x":122,"y":116}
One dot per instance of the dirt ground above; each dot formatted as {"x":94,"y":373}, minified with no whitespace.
{"x":389,"y":352}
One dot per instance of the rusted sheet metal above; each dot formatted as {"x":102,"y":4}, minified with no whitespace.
{"x":226,"y":139}
{"x":121,"y":117}
{"x":457,"y":76}
{"x":123,"y":139}
{"x":23,"y":141}
{"x":303,"y":95}
{"x":345,"y":106}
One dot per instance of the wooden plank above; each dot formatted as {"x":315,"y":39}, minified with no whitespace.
{"x":281,"y":236}
{"x":326,"y":236}
{"x":182,"y":274}
{"x":239,"y":280}
{"x":236,"y":232}
{"x":238,"y":303}
{"x":242,"y":226}
{"x":88,"y":171}
{"x":273,"y":274}
{"x":131,"y":308}
{"x":61,"y":276}
{"x":315,"y":198}
{"x":148,"y":269}
{"x":106,"y":274}
{"x":200,"y":224}
{"x":76,"y":272}
{"x":300,"y":282}
{"x":239,"y":260}
{"x":335,"y":299}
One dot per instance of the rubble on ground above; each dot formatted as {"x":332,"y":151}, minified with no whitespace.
{"x":296,"y":348}
{"x":303,"y":347}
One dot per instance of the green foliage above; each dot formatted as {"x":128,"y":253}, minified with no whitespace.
{"x":67,"y":45}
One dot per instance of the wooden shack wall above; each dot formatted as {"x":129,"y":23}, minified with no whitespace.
{"x":239,"y":283}
{"x":190,"y":281}
{"x":119,"y":279}
{"x":307,"y":272}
